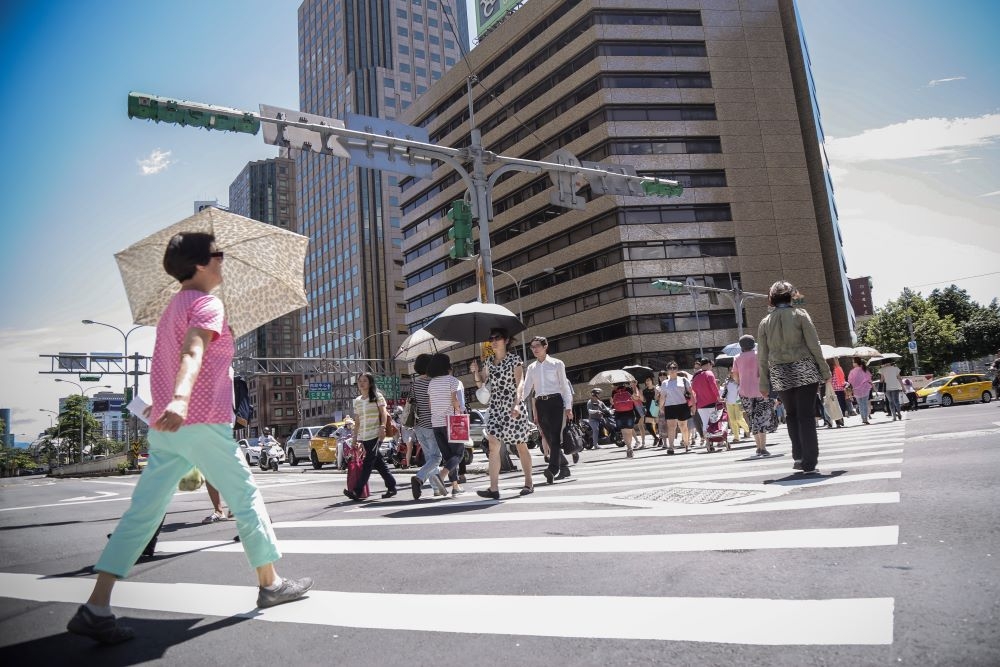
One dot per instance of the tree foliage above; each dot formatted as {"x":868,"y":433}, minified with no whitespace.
{"x":948,"y":326}
{"x":76,"y":409}
{"x":936,"y":336}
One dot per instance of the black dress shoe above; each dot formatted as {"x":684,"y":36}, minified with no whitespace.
{"x":548,"y":476}
{"x":495,"y":495}
{"x":389,"y":493}
{"x":563,"y":474}
{"x":350,"y":494}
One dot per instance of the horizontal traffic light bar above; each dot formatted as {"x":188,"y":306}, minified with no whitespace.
{"x":195,"y":114}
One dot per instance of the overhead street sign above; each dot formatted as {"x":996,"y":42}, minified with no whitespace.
{"x":320,"y":391}
{"x":368,"y":154}
{"x":311,"y":139}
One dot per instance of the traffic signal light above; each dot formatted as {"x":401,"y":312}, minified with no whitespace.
{"x":208,"y":116}
{"x":461,"y":229}
{"x":128,"y":399}
{"x":653,"y":188}
{"x":670,"y":286}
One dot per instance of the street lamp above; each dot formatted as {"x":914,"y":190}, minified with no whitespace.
{"x":83,"y":394}
{"x":135,"y":389}
{"x":520,"y":311}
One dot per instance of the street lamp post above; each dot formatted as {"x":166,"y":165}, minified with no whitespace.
{"x":520,"y":310}
{"x":83,"y":394}
{"x":58,"y":430}
{"x":135,"y":386}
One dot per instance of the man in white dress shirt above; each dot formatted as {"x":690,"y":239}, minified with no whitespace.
{"x":546,"y":376}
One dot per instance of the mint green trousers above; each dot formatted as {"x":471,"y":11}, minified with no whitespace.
{"x":210,"y":448}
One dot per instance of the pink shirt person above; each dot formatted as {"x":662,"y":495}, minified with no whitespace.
{"x":212,"y":398}
{"x":745,"y":365}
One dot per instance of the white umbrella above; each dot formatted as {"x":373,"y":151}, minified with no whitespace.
{"x":864,"y":352}
{"x":262,"y":275}
{"x":472,"y":322}
{"x":731,"y":350}
{"x":831,"y":352}
{"x":614,"y":376}
{"x":420,"y":342}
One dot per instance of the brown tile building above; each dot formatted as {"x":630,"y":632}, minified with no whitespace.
{"x":716,"y":94}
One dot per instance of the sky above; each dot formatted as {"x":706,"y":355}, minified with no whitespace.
{"x":909,"y":92}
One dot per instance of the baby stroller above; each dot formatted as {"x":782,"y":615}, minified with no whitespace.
{"x":717,"y":428}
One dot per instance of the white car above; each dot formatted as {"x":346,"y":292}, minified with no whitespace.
{"x":250,"y":451}
{"x":297,"y":446}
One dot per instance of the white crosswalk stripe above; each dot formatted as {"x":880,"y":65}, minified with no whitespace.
{"x":861,"y":466}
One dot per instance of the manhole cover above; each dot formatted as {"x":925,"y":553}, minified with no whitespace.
{"x":693,"y":496}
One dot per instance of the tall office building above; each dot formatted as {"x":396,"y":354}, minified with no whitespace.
{"x":368,"y":57}
{"x":265,"y":191}
{"x":717,"y":95}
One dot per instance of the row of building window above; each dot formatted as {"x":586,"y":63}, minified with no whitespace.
{"x":637,"y":215}
{"x":531,"y":38}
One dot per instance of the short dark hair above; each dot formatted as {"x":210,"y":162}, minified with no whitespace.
{"x":705,"y":360}
{"x":440,"y":364}
{"x":672,"y":366}
{"x":540,"y":339}
{"x":420,"y":363}
{"x":747,"y":343}
{"x":780,"y":292}
{"x":185,"y":252}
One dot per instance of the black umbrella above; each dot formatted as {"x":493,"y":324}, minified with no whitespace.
{"x":472,"y":322}
{"x":639,"y":372}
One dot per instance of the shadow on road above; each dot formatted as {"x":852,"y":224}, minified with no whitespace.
{"x":799,"y":479}
{"x":153,"y":639}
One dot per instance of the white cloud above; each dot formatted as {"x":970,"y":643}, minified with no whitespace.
{"x":937,"y":82}
{"x":991,"y":194}
{"x":919,"y":137}
{"x":156,"y":162}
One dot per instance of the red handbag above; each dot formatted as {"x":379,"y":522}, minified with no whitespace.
{"x":458,"y":428}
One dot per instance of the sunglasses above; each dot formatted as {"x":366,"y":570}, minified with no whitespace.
{"x":495,"y":337}
{"x":217,"y":253}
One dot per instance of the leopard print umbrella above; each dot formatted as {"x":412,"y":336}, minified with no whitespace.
{"x":263,"y":274}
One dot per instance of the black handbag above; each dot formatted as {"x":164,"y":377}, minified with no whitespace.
{"x":572,"y":439}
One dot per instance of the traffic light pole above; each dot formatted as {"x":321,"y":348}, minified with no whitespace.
{"x":480,"y":186}
{"x":736,"y":295}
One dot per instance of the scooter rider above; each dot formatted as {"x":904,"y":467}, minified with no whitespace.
{"x":266,"y":441}
{"x":597,"y":414}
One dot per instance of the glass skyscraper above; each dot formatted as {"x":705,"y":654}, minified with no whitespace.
{"x":369,"y":57}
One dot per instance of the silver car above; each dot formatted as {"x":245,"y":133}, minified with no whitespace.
{"x":297,"y":446}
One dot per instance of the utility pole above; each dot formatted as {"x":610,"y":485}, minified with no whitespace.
{"x":736,"y":295}
{"x":912,"y":345}
{"x":404,"y":154}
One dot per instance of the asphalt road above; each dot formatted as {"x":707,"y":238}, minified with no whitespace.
{"x":887,"y":558}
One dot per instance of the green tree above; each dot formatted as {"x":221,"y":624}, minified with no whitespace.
{"x":76,"y":409}
{"x":936,"y":336}
{"x":978,"y":326}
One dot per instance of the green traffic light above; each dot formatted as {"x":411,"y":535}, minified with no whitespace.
{"x":663,"y":189}
{"x":670,"y":286}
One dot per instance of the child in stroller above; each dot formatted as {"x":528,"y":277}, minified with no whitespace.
{"x":716,"y":431}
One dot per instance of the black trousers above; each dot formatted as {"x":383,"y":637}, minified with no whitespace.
{"x":800,"y":408}
{"x":451,"y":452}
{"x":550,"y":414}
{"x":373,"y":459}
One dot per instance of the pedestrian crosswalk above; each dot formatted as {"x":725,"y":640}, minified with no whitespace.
{"x":656,"y":505}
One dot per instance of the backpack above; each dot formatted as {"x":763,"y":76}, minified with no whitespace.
{"x":621,"y":400}
{"x":241,"y":402}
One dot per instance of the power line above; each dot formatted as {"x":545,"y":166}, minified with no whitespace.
{"x":952,"y":280}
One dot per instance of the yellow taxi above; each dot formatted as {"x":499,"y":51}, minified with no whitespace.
{"x":961,"y":388}
{"x":324,"y":448}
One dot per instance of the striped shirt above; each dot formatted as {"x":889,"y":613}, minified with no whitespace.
{"x":441,"y":392}
{"x":418,"y":394}
{"x":366,"y":416}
